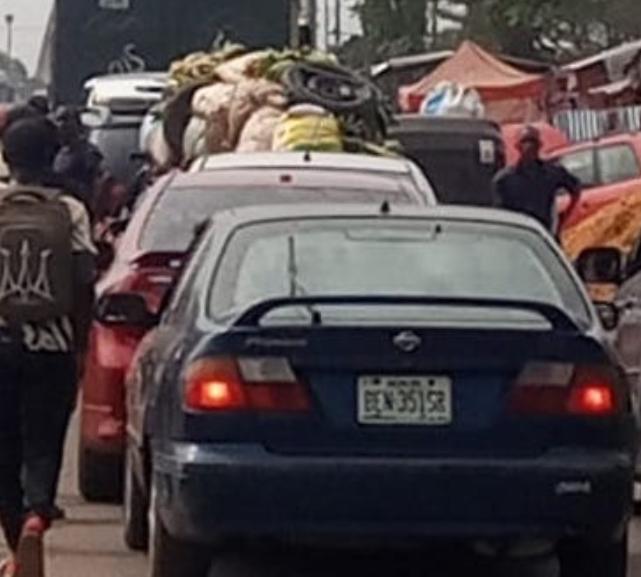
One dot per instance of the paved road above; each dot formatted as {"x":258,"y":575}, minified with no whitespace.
{"x":89,"y":544}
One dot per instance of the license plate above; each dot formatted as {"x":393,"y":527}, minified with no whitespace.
{"x":388,"y":400}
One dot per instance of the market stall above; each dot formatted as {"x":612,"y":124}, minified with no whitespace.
{"x":508,"y":94}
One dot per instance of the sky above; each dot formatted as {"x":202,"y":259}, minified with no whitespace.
{"x":29,"y":27}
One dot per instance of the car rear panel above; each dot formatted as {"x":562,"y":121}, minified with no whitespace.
{"x":330,"y":362}
{"x":321,"y":475}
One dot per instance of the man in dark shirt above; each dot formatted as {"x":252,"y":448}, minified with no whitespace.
{"x":531,"y":187}
{"x":78,"y":162}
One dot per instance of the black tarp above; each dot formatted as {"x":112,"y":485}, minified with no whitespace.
{"x":95,"y":37}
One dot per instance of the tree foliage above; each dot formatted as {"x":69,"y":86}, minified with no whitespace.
{"x":551,"y":29}
{"x":548,"y":29}
{"x":393,"y":27}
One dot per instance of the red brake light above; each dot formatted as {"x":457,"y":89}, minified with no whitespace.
{"x":594,"y":392}
{"x":558,"y":389}
{"x":214,"y":385}
{"x":592,"y":400}
{"x":225,"y":384}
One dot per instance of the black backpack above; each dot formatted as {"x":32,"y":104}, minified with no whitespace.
{"x":36,"y":263}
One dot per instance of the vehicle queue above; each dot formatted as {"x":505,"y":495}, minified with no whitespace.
{"x":303,"y":342}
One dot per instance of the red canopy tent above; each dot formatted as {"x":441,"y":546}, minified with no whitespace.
{"x":472,"y":67}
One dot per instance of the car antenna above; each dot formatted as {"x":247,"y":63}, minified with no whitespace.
{"x":308,"y":152}
{"x":386,"y":208}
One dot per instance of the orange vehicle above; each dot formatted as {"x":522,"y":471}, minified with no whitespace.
{"x":607,"y":168}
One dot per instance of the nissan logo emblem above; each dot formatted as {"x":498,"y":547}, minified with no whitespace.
{"x":408,"y":341}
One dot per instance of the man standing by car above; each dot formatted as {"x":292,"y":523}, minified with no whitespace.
{"x":531,"y":187}
{"x":46,"y":296}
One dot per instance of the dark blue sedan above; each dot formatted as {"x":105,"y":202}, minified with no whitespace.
{"x":404,"y":375}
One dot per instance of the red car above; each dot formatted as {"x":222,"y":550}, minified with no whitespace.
{"x":151,"y":252}
{"x":607,"y":168}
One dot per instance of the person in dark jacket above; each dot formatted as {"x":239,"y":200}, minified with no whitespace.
{"x":78,"y":162}
{"x":531,"y":187}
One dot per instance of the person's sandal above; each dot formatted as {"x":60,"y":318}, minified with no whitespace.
{"x":30,"y":556}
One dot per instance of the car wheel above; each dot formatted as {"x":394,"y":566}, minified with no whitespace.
{"x":99,"y":476}
{"x":589,"y":559}
{"x":135,"y":509}
{"x":170,"y":557}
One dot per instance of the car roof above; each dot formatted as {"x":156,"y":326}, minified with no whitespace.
{"x":489,"y":216}
{"x":101,"y":117}
{"x":303,"y":160}
{"x":128,"y":78}
{"x":622,"y":138}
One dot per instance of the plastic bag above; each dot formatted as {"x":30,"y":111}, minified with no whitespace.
{"x":451,"y":99}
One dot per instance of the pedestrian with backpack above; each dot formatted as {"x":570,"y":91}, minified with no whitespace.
{"x":46,"y":297}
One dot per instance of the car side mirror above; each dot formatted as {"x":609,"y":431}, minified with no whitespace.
{"x":601,"y":266}
{"x":125,"y":309}
{"x":106,"y":255}
{"x":609,"y":315}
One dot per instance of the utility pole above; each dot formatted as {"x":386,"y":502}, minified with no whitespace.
{"x":9,"y":20}
{"x":339,"y":28}
{"x":434,"y":5}
{"x":304,"y":16}
{"x":326,"y":24}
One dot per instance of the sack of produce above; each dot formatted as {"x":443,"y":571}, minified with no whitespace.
{"x":194,"y":139}
{"x":258,"y":133}
{"x":212,"y":104}
{"x":249,"y":96}
{"x":200,"y":67}
{"x":308,"y":127}
{"x":209,"y":101}
{"x":242,"y":67}
{"x":176,"y":115}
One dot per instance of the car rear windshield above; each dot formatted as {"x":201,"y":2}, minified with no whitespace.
{"x":398,"y":258}
{"x":171,"y":222}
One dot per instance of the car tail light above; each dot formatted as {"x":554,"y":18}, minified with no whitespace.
{"x":565,"y":389}
{"x":151,"y":275}
{"x":258,"y":384}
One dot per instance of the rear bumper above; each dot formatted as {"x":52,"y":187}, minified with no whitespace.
{"x":210,"y":492}
{"x":103,"y":389}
